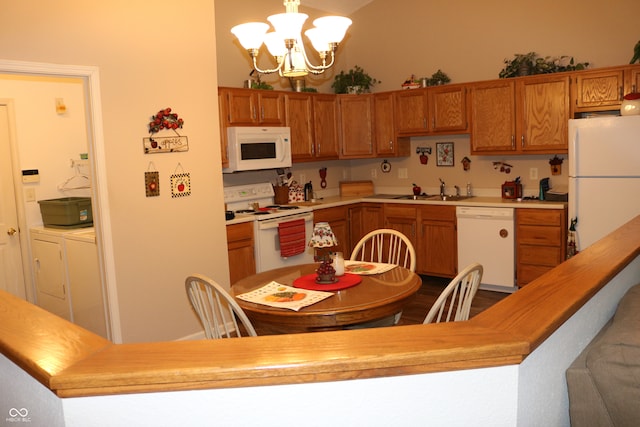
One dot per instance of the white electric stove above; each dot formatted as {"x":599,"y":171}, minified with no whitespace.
{"x":257,"y":200}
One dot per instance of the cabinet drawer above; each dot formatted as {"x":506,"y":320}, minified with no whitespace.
{"x":539,"y":255}
{"x":551,"y":217}
{"x":338,"y":213}
{"x":439,"y":213}
{"x":242,"y":231}
{"x":528,"y":273}
{"x":539,"y":235}
{"x":402,"y":211}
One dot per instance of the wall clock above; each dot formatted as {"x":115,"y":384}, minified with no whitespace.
{"x":385,"y":166}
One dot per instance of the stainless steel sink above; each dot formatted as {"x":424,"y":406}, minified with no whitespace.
{"x":449,"y":198}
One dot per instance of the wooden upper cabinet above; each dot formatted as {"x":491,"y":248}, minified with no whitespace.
{"x":543,"y":114}
{"x":313,"y":121}
{"x":325,"y":124}
{"x":603,"y":90}
{"x":598,"y":90}
{"x":411,"y":112}
{"x":247,"y":107}
{"x":356,"y":131}
{"x":224,"y":152}
{"x":299,"y":114}
{"x":528,"y":115}
{"x":448,"y":111}
{"x":386,"y":141}
{"x":493,"y":117}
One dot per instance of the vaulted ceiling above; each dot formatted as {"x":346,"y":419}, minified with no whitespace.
{"x":343,"y":7}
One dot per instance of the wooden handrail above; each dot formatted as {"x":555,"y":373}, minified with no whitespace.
{"x":74,"y":362}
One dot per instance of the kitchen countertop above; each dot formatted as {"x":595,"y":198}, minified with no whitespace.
{"x":480,"y":201}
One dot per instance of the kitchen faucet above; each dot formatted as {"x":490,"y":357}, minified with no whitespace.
{"x":457,"y":190}
{"x":441,"y":187}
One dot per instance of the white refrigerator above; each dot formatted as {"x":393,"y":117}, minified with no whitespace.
{"x":604,"y":175}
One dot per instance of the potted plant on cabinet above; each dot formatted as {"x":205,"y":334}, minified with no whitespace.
{"x":356,"y":80}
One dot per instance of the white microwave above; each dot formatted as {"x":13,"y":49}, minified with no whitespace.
{"x":254,"y":148}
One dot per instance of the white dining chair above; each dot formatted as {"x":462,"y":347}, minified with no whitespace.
{"x":388,"y":246}
{"x":455,"y":300}
{"x":216,"y":309}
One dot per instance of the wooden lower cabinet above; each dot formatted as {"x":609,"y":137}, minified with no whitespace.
{"x":432,"y":230}
{"x":438,"y":241}
{"x":240,"y":247}
{"x":541,"y":238}
{"x":337,"y":219}
{"x":363,"y":218}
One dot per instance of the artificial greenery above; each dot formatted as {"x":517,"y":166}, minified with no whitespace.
{"x":261,"y":85}
{"x":355,"y":77}
{"x":438,"y":78}
{"x":530,"y":63}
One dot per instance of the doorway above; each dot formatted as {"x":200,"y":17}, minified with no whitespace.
{"x":99,"y":194}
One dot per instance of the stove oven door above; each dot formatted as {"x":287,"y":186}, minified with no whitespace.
{"x":267,"y":243}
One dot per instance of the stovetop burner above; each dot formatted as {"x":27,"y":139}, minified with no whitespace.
{"x":241,"y":211}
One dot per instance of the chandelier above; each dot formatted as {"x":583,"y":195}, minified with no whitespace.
{"x":285,"y":43}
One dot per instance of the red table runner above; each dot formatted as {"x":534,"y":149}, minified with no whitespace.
{"x":309,"y":282}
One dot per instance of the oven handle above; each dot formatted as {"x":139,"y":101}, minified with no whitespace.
{"x":273,"y":223}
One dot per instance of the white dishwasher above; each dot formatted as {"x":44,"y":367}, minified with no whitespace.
{"x":486,"y":236}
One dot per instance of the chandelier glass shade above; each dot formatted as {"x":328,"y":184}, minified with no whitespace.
{"x":285,"y":42}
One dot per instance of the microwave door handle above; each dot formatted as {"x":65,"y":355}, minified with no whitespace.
{"x":284,"y":149}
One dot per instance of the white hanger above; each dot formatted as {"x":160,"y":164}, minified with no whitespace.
{"x":79,"y":180}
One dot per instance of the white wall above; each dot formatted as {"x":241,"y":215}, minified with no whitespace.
{"x":148,"y":58}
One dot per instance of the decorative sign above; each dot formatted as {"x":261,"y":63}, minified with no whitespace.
{"x":165,"y":144}
{"x":444,"y":153}
{"x":180,"y":183}
{"x":165,"y":119}
{"x":152,"y":184}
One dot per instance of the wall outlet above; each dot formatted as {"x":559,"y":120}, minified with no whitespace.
{"x":303,"y":179}
{"x":533,"y":173}
{"x":403,"y":173}
{"x":374,"y":173}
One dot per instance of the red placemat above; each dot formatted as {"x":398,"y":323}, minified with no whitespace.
{"x":309,"y":282}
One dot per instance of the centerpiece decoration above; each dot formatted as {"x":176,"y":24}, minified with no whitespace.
{"x":323,"y":239}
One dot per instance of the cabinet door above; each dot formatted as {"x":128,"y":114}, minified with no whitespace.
{"x":411,"y":112}
{"x":493,"y":117}
{"x":448,"y":109}
{"x":634,"y":79}
{"x":363,"y":218}
{"x":271,"y":108}
{"x":403,"y":219}
{"x":299,"y":111}
{"x":325,"y":126}
{"x":598,"y":90}
{"x":384,"y":129}
{"x":337,"y":219}
{"x":50,"y":276}
{"x":438,"y":248}
{"x":224,"y":151}
{"x":241,"y":107}
{"x":240,"y":247}
{"x":356,"y":132}
{"x":543,"y":114}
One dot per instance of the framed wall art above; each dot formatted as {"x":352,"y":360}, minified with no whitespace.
{"x":444,"y":153}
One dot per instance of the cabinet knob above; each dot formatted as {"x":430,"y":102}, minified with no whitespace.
{"x":11,"y":231}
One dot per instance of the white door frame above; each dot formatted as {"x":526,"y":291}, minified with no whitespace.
{"x":91,"y":78}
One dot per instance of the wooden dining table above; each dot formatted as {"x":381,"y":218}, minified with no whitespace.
{"x":375,"y":298}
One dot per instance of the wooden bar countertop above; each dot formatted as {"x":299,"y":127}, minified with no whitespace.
{"x":74,"y":362}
